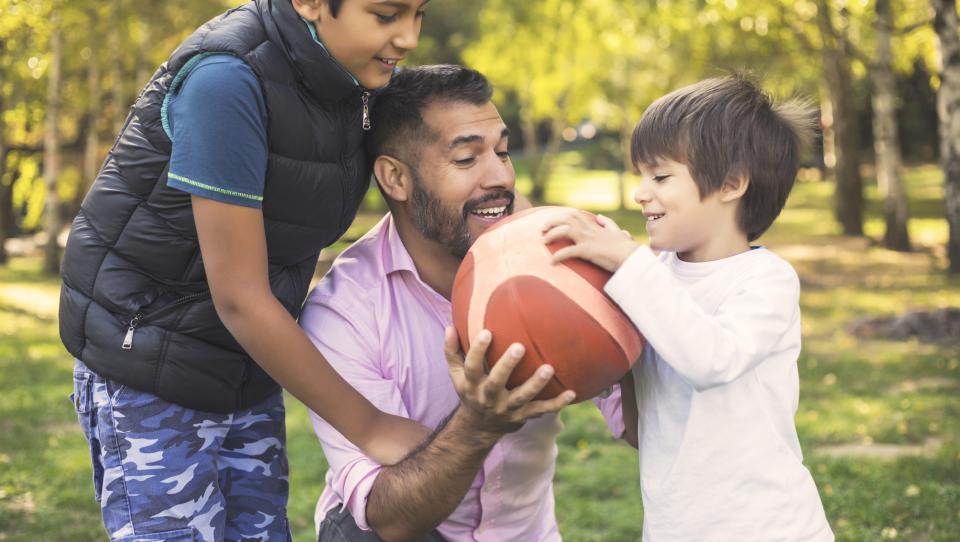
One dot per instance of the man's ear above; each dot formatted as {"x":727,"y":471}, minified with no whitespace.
{"x":394,"y":177}
{"x":311,"y":10}
{"x":734,"y":186}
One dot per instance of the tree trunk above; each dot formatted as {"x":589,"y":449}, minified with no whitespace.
{"x":626,"y":133}
{"x":91,"y":151}
{"x":5,"y":204}
{"x":848,"y":199}
{"x":886,"y":142}
{"x":948,"y":112}
{"x":52,"y":222}
{"x":531,"y":148}
{"x":119,"y":100}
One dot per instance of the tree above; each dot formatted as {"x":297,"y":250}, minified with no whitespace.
{"x":948,"y":111}
{"x":51,"y":151}
{"x":546,"y":55}
{"x":838,"y":75}
{"x":886,"y":141}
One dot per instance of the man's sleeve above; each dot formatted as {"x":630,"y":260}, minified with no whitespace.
{"x":349,"y":342}
{"x":609,"y":407}
{"x":218,"y":121}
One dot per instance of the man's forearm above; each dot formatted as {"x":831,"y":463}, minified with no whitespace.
{"x":409,"y":499}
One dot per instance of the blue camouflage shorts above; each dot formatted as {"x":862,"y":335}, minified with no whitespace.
{"x":165,"y":472}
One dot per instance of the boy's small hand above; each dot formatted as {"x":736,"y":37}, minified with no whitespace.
{"x":599,"y":241}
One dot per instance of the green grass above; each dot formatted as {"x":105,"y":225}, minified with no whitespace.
{"x":866,"y":393}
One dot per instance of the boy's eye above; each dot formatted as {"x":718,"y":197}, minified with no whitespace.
{"x":464,"y":161}
{"x":504,"y":154}
{"x":660,"y":178}
{"x":421,"y":14}
{"x":386,"y":18}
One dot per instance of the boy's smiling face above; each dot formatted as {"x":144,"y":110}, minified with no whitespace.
{"x":679,"y":220}
{"x":367,"y":37}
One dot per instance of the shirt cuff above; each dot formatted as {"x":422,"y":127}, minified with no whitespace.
{"x":360,"y":481}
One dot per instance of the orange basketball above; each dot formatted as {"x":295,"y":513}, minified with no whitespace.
{"x":508,"y":284}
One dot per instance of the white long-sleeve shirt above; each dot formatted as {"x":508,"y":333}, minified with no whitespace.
{"x":717,"y":392}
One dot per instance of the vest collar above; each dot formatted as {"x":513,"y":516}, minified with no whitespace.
{"x":324,"y":78}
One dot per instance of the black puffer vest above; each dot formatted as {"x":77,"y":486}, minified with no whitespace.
{"x":135,"y":306}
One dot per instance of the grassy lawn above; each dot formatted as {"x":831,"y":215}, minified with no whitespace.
{"x":879,"y":421}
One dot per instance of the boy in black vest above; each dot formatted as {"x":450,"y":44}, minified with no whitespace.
{"x":192,"y":254}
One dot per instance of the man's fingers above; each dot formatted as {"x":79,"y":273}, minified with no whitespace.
{"x":504,"y":367}
{"x":539,"y":408}
{"x":529,"y":390}
{"x":474,"y":362}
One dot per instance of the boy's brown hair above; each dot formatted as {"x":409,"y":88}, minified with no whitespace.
{"x":727,"y":127}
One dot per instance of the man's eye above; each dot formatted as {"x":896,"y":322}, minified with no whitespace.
{"x":464,"y":161}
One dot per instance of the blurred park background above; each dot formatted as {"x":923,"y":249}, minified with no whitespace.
{"x":873,"y":225}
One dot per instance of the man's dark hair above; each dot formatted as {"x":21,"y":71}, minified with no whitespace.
{"x":727,"y":127}
{"x":398,"y":129}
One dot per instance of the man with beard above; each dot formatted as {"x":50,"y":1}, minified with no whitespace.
{"x":381,"y":314}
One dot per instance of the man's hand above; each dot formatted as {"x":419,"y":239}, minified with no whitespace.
{"x":599,"y":241}
{"x":485,"y":399}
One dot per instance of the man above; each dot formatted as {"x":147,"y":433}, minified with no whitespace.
{"x":441,"y":160}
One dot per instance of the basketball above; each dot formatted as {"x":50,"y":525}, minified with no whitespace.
{"x":509,"y":285}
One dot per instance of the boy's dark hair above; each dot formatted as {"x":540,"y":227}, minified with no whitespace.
{"x":334,"y":6}
{"x":398,"y":128}
{"x":725,"y":127}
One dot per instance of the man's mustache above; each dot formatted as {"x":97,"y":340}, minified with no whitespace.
{"x":472,"y":204}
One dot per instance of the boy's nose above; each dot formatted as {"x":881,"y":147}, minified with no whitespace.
{"x":642,"y":195}
{"x":409,"y":36}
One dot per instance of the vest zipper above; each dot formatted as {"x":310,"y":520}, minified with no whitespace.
{"x":140,"y":317}
{"x":365,"y":98}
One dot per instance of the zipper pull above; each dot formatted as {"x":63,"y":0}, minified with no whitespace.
{"x":365,"y":98}
{"x":128,"y":338}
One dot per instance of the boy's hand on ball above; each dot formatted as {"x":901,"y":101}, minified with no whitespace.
{"x":599,"y":241}
{"x":485,"y":399}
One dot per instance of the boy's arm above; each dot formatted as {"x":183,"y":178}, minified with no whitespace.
{"x":233,"y":247}
{"x":710,"y":349}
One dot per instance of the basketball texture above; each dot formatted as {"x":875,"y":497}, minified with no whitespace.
{"x":508,"y":284}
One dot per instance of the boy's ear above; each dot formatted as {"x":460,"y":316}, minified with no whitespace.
{"x":394,"y":177}
{"x":310,"y":10}
{"x":734,"y":186}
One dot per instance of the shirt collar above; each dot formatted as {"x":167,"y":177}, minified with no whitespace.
{"x":395,"y":256}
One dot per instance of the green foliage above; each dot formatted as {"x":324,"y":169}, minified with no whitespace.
{"x":856,"y":395}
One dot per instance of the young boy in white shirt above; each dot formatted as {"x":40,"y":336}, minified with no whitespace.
{"x":717,"y":386}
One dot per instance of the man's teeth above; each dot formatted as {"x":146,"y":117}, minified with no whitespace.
{"x":654,"y":217}
{"x":490,"y":211}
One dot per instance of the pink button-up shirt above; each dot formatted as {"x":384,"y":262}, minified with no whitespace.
{"x":381,"y":328}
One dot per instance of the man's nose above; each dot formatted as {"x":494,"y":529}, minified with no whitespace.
{"x":499,"y":174}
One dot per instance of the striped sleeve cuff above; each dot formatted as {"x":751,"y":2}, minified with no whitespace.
{"x":210,"y":191}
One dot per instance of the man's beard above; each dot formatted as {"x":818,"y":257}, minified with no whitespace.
{"x":440,"y":224}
